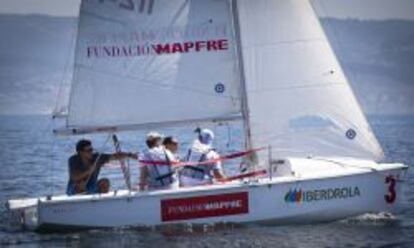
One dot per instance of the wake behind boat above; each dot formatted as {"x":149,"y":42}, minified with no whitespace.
{"x":270,"y":66}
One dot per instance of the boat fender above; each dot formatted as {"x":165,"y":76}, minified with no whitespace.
{"x":48,"y":197}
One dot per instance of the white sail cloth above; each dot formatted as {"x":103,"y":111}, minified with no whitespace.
{"x":153,"y":61}
{"x":143,"y":62}
{"x":300,"y":102}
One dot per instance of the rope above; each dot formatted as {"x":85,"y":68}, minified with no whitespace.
{"x":124,"y":168}
{"x":344,"y":164}
{"x":211,"y":161}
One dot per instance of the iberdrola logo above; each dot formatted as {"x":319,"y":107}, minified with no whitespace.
{"x":294,"y":195}
{"x":326,"y":194}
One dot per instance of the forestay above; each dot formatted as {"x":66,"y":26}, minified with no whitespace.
{"x":140,"y":62}
{"x":300,"y":102}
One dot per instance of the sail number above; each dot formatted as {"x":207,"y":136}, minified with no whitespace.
{"x":142,"y":6}
{"x":391,"y":196}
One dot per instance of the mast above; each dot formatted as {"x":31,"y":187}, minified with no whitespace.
{"x":243,"y":93}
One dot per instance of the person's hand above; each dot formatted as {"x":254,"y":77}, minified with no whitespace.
{"x":80,"y":187}
{"x":132,"y":155}
{"x":221,"y":180}
{"x":142,"y":187}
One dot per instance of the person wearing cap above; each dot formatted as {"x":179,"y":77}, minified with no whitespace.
{"x":154,"y":175}
{"x":202,"y":150}
{"x":171,"y":144}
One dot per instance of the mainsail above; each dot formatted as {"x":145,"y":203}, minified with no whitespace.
{"x":300,"y":103}
{"x":144,"y":62}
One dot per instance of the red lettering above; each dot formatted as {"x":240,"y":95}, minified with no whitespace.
{"x":177,"y":48}
{"x":223,"y":44}
{"x":187,"y":46}
{"x":199,"y":45}
{"x":160,"y":48}
{"x":392,"y":194}
{"x":156,"y":49}
{"x":211,"y":45}
{"x":204,"y":206}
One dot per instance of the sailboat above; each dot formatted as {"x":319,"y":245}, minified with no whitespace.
{"x":148,"y":64}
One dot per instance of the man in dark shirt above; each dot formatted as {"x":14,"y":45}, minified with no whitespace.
{"x":84,"y":168}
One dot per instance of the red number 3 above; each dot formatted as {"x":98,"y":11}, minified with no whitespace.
{"x":391,"y":195}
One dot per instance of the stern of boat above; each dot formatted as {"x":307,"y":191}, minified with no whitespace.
{"x":24,"y":212}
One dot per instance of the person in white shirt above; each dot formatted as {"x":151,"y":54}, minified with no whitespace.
{"x":156,"y":176}
{"x":201,"y":151}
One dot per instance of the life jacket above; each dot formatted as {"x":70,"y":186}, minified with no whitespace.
{"x":159,"y":175}
{"x":199,"y":172}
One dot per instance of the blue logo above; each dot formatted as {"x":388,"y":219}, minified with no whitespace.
{"x":219,"y":88}
{"x":351,"y":134}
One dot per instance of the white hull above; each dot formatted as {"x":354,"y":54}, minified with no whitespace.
{"x":342,"y":191}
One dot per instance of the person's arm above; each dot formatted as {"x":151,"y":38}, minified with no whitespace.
{"x":218,"y":169}
{"x":218,"y":175}
{"x":123,"y":155}
{"x":143,"y":178}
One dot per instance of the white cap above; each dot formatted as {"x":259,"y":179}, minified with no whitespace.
{"x":206,"y":136}
{"x":154,"y":135}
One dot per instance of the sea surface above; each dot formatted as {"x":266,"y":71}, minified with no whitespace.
{"x":34,"y":163}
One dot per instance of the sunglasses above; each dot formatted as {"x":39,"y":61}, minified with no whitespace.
{"x":89,"y":150}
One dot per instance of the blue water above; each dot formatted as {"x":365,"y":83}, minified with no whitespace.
{"x":33,"y":163}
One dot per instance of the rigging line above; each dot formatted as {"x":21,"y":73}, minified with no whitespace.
{"x":240,"y":62}
{"x":152,"y":83}
{"x":65,"y":68}
{"x":51,"y":160}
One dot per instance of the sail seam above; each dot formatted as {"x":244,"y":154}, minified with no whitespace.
{"x":330,"y":84}
{"x":285,"y":42}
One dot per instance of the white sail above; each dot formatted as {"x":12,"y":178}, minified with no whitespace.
{"x":153,"y":61}
{"x":300,"y":102}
